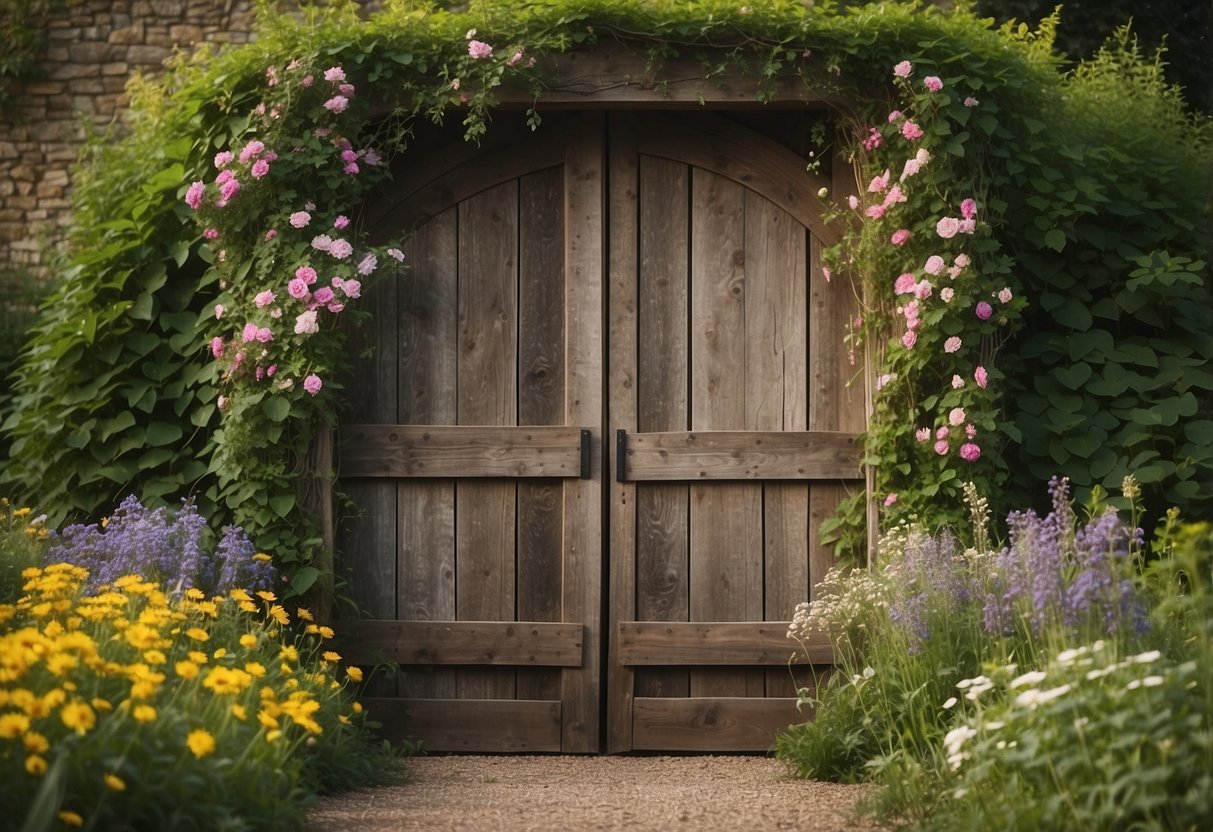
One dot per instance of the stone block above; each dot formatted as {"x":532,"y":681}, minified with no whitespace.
{"x":38,"y":215}
{"x":86,"y":86}
{"x":119,"y":20}
{"x":93,"y":52}
{"x":66,"y":72}
{"x":169,"y":8}
{"x":116,"y":68}
{"x":43,"y":88}
{"x":9,"y":150}
{"x":8,"y":215}
{"x":56,"y":54}
{"x":146,"y":55}
{"x":127,"y":35}
{"x":22,"y":173}
{"x":59,"y":178}
{"x":184,"y":34}
{"x":23,"y":199}
{"x":67,"y":33}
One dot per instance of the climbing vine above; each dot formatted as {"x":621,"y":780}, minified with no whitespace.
{"x":219,"y":244}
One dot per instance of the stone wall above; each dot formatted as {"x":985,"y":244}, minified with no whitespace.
{"x":92,"y":48}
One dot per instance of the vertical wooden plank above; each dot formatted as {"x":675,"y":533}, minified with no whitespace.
{"x":725,"y":518}
{"x":487,"y":373}
{"x":662,"y":583}
{"x":427,"y":396}
{"x":776,"y":381}
{"x":541,"y":295}
{"x":585,"y":227}
{"x":622,"y":406}
{"x":368,"y":536}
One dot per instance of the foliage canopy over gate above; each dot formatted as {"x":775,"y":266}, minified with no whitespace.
{"x":1036,"y":299}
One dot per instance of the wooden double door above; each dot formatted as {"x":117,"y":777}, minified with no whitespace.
{"x":596,"y":423}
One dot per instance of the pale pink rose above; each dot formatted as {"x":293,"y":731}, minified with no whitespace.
{"x":970,"y":430}
{"x":967,"y":226}
{"x":984,"y":311}
{"x":1004,"y":295}
{"x":981,"y":377}
{"x":347,"y":90}
{"x":297,"y":289}
{"x":299,"y":219}
{"x":250,"y":332}
{"x":958,"y":383}
{"x":312,"y":384}
{"x":337,"y":104}
{"x":900,"y":236}
{"x":515,"y":58}
{"x":970,"y":101}
{"x":893,"y":116}
{"x":879,"y":183}
{"x":271,"y":234}
{"x":909,"y":339}
{"x":217,"y":346}
{"x":894,"y":195}
{"x":826,"y":273}
{"x":875,"y":211}
{"x":890,"y":500}
{"x":351,"y":288}
{"x":222,"y":402}
{"x":396,"y":254}
{"x":956,"y":417}
{"x":934,"y":264}
{"x":341,"y":249}
{"x":922,"y":156}
{"x":307,"y":274}
{"x":922,"y":434}
{"x":219,"y":310}
{"x":946,"y":294}
{"x":193,"y":196}
{"x":932,"y":83}
{"x":911,"y":169}
{"x":479,"y":50}
{"x":342,"y":220}
{"x":942,"y":432}
{"x":322,"y":295}
{"x":368,"y":265}
{"x":853,"y":202}
{"x":911,"y":131}
{"x":334,"y":74}
{"x":922,"y":289}
{"x":947,"y":227}
{"x":968,"y":209}
{"x":952,"y":344}
{"x":306,"y":323}
{"x":970,"y":452}
{"x":321,"y":242}
{"x":903,"y":69}
{"x":263,"y":299}
{"x":905,"y":283}
{"x":962,"y":260}
{"x":941,"y":447}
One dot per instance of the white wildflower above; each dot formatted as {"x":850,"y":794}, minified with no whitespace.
{"x":1032,"y":677}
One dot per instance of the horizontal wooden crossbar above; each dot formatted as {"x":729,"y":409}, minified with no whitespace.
{"x":470,"y":725}
{"x":715,"y":643}
{"x":711,"y":723}
{"x":507,"y":643}
{"x":464,"y":451}
{"x":738,"y":455}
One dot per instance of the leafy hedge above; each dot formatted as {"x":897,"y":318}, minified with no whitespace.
{"x":1088,"y":194}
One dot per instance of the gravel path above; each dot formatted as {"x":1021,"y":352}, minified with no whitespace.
{"x":518,"y":794}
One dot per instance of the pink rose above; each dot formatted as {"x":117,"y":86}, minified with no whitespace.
{"x":911,"y":131}
{"x":853,"y":202}
{"x":479,"y":50}
{"x":893,"y":116}
{"x":968,"y":209}
{"x":879,"y":183}
{"x":951,"y":345}
{"x":934,"y":264}
{"x":981,"y":377}
{"x":514,"y":59}
{"x":341,"y":249}
{"x":306,"y":324}
{"x":946,"y":294}
{"x":911,"y":169}
{"x":334,"y":74}
{"x":905,"y":283}
{"x":947,"y":227}
{"x":942,"y":432}
{"x":932,"y":83}
{"x":351,"y":288}
{"x":922,"y":289}
{"x":217,"y":346}
{"x":250,"y":332}
{"x":970,"y":452}
{"x":903,"y":69}
{"x":396,"y":254}
{"x":337,"y":104}
{"x":941,"y":447}
{"x":909,"y":339}
{"x":962,"y":260}
{"x":264,"y":335}
{"x":228,"y":190}
{"x":894,"y":195}
{"x":970,"y":101}
{"x":970,"y":430}
{"x":956,"y":417}
{"x":922,"y":434}
{"x":873,"y":140}
{"x":297,"y":289}
{"x":984,"y":311}
{"x":193,"y":196}
{"x":368,"y":265}
{"x":875,"y":211}
{"x":958,"y":383}
{"x":299,"y":219}
{"x":900,"y":236}
{"x":271,"y":234}
{"x":1004,"y":295}
{"x":312,"y":384}
{"x":321,"y":242}
{"x":322,"y":295}
{"x":251,"y":151}
{"x":259,"y":169}
{"x":307,"y":274}
{"x":342,"y":220}
{"x":211,"y":234}
{"x":263,"y":299}
{"x":347,"y":90}
{"x":890,"y":500}
{"x":223,"y":157}
{"x":967,"y":226}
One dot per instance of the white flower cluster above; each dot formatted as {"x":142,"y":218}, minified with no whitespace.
{"x":844,"y":596}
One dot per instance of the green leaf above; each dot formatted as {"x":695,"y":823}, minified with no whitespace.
{"x":162,"y":433}
{"x":119,"y":423}
{"x":1075,"y":376}
{"x":303,"y":579}
{"x":282,"y":504}
{"x":276,"y":408}
{"x":1055,"y":239}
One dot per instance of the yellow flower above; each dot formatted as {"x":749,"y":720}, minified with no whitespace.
{"x":115,"y":783}
{"x":198,"y":634}
{"x":325,"y":632}
{"x":248,"y":606}
{"x":304,"y":614}
{"x":154,"y":657}
{"x":263,"y":557}
{"x":239,"y":595}
{"x":60,"y":663}
{"x":13,"y":725}
{"x":71,"y":818}
{"x":220,"y":653}
{"x":102,"y":705}
{"x":35,"y":765}
{"x":279,"y":614}
{"x":24,"y":511}
{"x":187,"y":670}
{"x":272,"y":735}
{"x":355,"y":673}
{"x":343,"y":719}
{"x":330,"y":656}
{"x":207,"y":608}
{"x":35,"y":743}
{"x":289,"y":653}
{"x":266,"y":595}
{"x":195,"y":594}
{"x":254,"y":669}
{"x":239,"y":712}
{"x":144,"y":713}
{"x":267,"y":719}
{"x":248,"y":641}
{"x":225,"y":681}
{"x":197,"y":657}
{"x":78,"y":716}
{"x":200,"y":742}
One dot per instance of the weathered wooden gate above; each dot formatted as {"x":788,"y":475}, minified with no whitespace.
{"x":611,"y":385}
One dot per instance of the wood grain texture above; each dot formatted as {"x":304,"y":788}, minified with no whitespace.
{"x":445,"y":451}
{"x":716,"y":643}
{"x":470,"y":725}
{"x":708,"y":455}
{"x":541,"y":380}
{"x":662,"y":214}
{"x":525,"y":643}
{"x":426,"y":394}
{"x":485,"y":511}
{"x":584,"y":246}
{"x":621,"y":415}
{"x":711,"y":724}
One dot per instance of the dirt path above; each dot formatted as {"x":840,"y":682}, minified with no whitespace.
{"x":518,"y":794}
